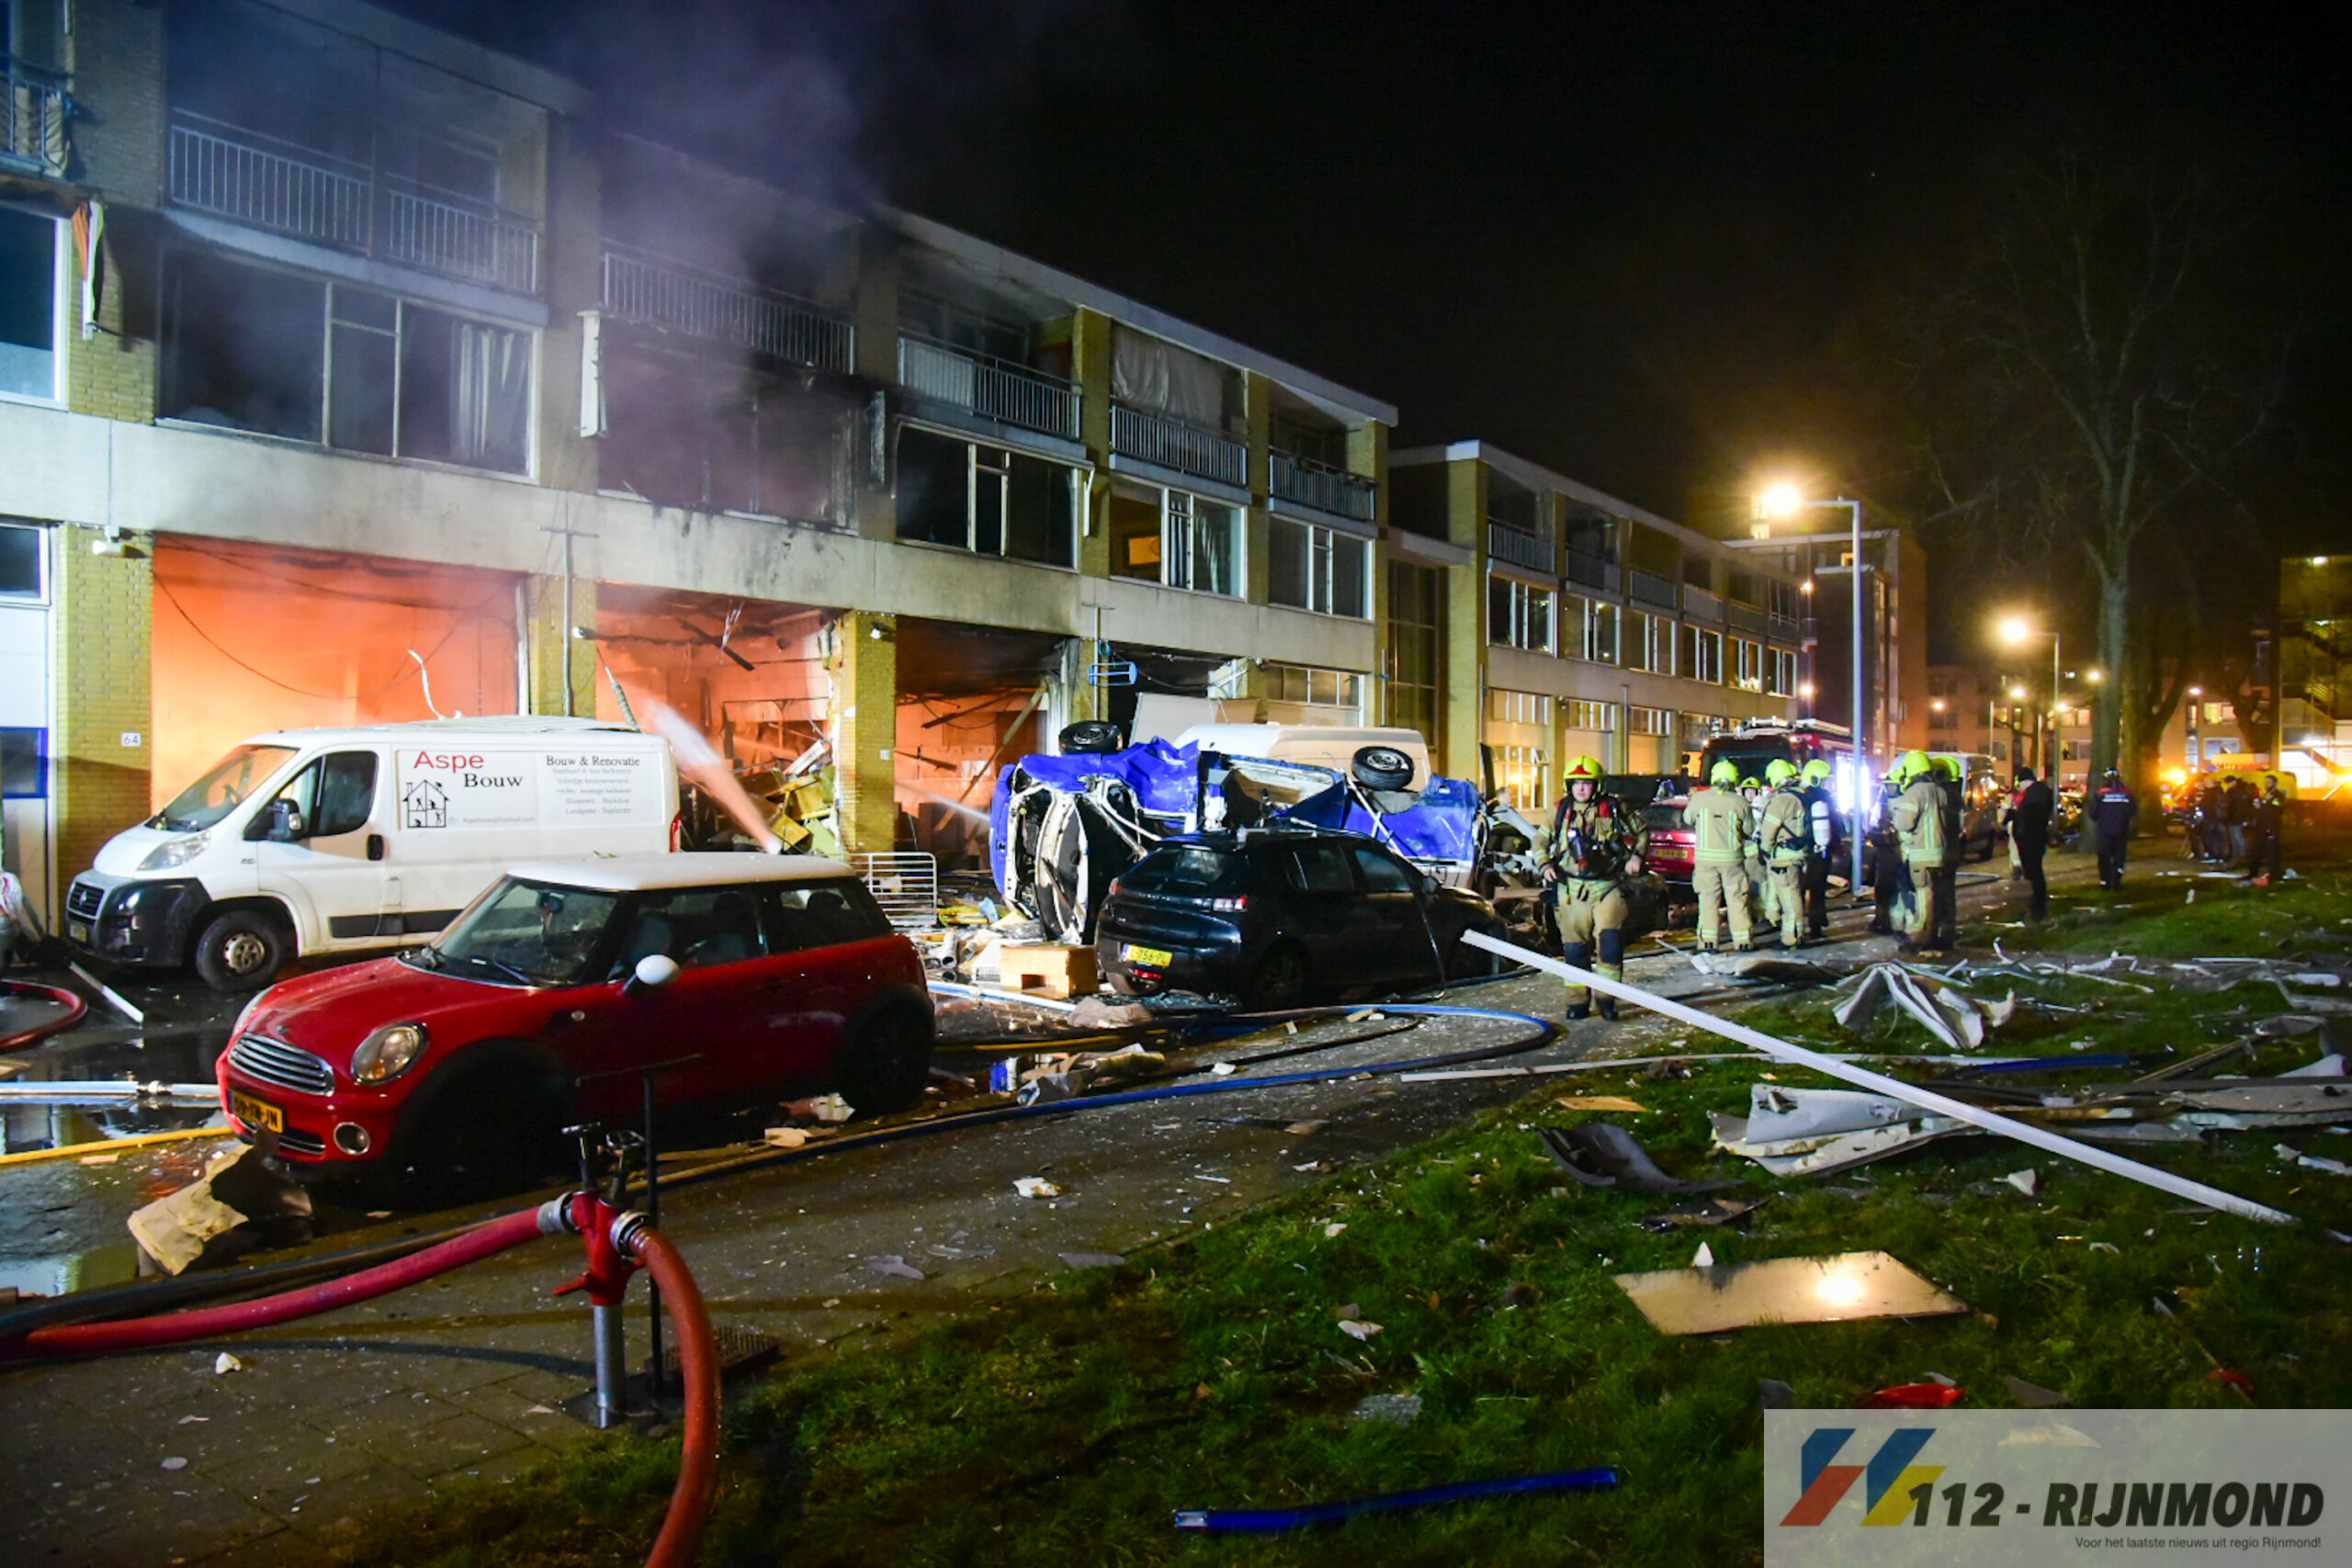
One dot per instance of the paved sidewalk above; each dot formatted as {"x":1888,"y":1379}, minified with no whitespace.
{"x":155,"y":1458}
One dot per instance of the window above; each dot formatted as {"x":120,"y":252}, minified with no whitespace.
{"x":1701,"y":655}
{"x":699,"y":927}
{"x":1590,"y":628}
{"x":24,"y":772}
{"x":1780,"y":673}
{"x":1748,"y":668}
{"x":1649,"y":642}
{"x":1522,"y":776}
{"x":1318,"y":568}
{"x":971,"y":496}
{"x":250,"y":349}
{"x":1518,"y":614}
{"x":334,"y":796}
{"x":20,"y":563}
{"x":1317,"y":868}
{"x":1576,"y":713}
{"x":1650,"y":721}
{"x":1301,"y":686}
{"x":1383,"y":873}
{"x":1519,"y":707}
{"x":32,"y":268}
{"x":1185,"y":541}
{"x":1416,"y":618}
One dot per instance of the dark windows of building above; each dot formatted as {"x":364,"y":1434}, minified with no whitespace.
{"x":1518,"y":614}
{"x":24,"y":771}
{"x":1314,"y":567}
{"x":247,"y":348}
{"x":971,"y":496}
{"x":20,"y":562}
{"x":1183,"y":541}
{"x":1416,"y":636}
{"x":29,"y":303}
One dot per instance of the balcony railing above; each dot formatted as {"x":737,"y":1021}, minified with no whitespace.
{"x":991,"y":388}
{"x":1175,"y":444}
{"x":1744,"y":618}
{"x":1594,"y":572}
{"x":663,"y":294}
{"x":1783,"y":628}
{"x":1700,"y":605}
{"x":1520,"y":548}
{"x":33,"y":110}
{"x":1321,"y":486}
{"x":1652,"y":589}
{"x":251,"y":178}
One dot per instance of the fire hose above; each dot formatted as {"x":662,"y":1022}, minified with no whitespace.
{"x":72,"y":1002}
{"x":618,"y":1242}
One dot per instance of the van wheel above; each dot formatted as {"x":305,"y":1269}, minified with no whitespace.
{"x":242,"y":950}
{"x":1281,"y":981}
{"x":886,"y":1064}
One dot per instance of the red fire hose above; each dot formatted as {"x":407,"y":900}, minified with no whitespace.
{"x":74,"y":1003}
{"x":624,"y":1239}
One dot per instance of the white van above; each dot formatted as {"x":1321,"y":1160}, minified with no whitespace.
{"x":336,"y":840}
{"x":1324,"y":746}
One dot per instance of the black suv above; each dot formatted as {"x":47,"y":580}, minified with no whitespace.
{"x":1282,"y":917}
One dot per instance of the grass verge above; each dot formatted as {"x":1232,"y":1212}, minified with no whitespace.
{"x":1213,"y":1373}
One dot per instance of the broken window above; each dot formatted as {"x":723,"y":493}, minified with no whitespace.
{"x":30,"y":250}
{"x":1518,"y":614}
{"x":972,"y":496}
{"x":1318,"y":568}
{"x":252,"y":349}
{"x":1203,"y":543}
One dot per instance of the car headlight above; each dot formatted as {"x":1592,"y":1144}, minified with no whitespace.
{"x":176,"y":852}
{"x":387,"y":1053}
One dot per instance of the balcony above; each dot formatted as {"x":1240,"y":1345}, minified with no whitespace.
{"x":1326,"y":489}
{"x":1519,"y":547}
{"x":1702,"y":605}
{"x":32,"y":119}
{"x":1175,"y":444}
{"x":1651,"y":588}
{"x":250,"y":178}
{"x":1744,"y":618}
{"x":662,"y":294}
{"x":1588,"y":570}
{"x":991,"y":388}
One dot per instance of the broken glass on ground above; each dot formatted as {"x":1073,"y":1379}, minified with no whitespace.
{"x":1843,"y":1288}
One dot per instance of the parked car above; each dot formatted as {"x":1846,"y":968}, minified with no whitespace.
{"x":304,"y":842}
{"x":458,"y":1063}
{"x":1283,"y":917}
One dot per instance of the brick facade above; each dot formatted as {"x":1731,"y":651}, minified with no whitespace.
{"x":103,"y":609}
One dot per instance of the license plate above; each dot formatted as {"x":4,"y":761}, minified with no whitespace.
{"x":79,"y":933}
{"x":259,"y":1115}
{"x":1157,"y":957}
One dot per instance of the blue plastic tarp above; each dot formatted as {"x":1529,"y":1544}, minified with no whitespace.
{"x":1439,"y":827}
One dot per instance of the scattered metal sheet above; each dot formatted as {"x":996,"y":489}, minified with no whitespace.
{"x":1846,"y":1150}
{"x":1845,"y":1287}
{"x":1776,"y":1112}
{"x":1707,"y":1211}
{"x":2033,"y":1396}
{"x":1602,"y":1153}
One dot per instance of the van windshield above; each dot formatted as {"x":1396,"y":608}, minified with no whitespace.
{"x":524,"y":933}
{"x":221,"y":789}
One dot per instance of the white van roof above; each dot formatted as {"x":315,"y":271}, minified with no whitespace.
{"x":490,"y":725}
{"x":689,"y":868}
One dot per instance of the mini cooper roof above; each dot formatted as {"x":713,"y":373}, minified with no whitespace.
{"x":692,"y":868}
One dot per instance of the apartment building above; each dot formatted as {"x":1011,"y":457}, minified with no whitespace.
{"x":2315,"y":670}
{"x":349,"y":374}
{"x":1894,"y":627}
{"x":1540,"y":619}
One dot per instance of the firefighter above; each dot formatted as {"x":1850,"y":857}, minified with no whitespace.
{"x":1828,"y":841}
{"x":1918,"y":820}
{"x":1944,"y":932}
{"x":1783,"y":843}
{"x":2028,"y":825}
{"x":2113,"y":809}
{"x":1596,"y":846}
{"x":1722,"y":842}
{"x":2264,"y":850}
{"x":1890,"y":893}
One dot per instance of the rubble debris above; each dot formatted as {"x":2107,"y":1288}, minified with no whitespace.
{"x":784,"y":1138}
{"x":1776,"y":1114}
{"x":1093,"y":1259}
{"x":224,"y":1363}
{"x":1602,"y":1153}
{"x":1949,"y":1013}
{"x":1709,"y":1211}
{"x":181,"y":1227}
{"x":1389,"y":1409}
{"x":1916,"y":1396}
{"x":1765,"y":969}
{"x":1358,"y":1329}
{"x":1824,"y":1154}
{"x":1772,"y":1393}
{"x":2025,"y":1181}
{"x":1036,"y":1187}
{"x":895,"y":1266}
{"x":1058,"y":970}
{"x":2294,"y":1155}
{"x":1843,"y":1288}
{"x":1601,"y":1103}
{"x":1704,"y":1258}
{"x":2033,"y":1396}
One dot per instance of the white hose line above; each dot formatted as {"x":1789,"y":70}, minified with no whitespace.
{"x":1927,"y":1099}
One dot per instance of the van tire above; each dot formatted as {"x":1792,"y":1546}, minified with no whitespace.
{"x":242,"y":950}
{"x":884,"y":1064}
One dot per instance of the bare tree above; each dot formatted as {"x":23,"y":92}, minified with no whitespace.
{"x":2085,"y":372}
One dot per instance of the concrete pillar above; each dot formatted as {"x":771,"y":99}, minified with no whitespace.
{"x":1089,"y":348}
{"x":863,"y":665}
{"x":549,"y":635}
{"x":1257,"y":550}
{"x":875,"y":315}
{"x":1464,"y":720}
{"x":104,"y":737}
{"x":1368,"y":455}
{"x":575,"y":252}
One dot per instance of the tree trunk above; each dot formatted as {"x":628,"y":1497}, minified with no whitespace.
{"x":2114,"y":644}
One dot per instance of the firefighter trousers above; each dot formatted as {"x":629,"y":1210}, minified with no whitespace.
{"x":1592,"y":914}
{"x":1718,"y":884}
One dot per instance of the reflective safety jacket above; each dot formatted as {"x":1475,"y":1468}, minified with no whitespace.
{"x":1784,"y":834}
{"x":1918,"y":818}
{"x":1591,"y":841}
{"x":1721,"y":833}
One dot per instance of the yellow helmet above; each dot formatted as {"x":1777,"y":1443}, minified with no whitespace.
{"x":1779,"y":771}
{"x":1586,"y":767}
{"x":1910,"y":766}
{"x":1724,"y":775}
{"x":1816,"y":770}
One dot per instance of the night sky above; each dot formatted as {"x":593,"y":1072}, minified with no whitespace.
{"x":1628,"y":241}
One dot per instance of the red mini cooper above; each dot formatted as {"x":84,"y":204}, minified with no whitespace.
{"x":460,"y":1062}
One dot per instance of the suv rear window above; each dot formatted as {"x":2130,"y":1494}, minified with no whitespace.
{"x":1185,"y":871}
{"x":1662,"y":818}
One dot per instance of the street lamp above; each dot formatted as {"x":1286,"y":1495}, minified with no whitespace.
{"x":2194,"y":694}
{"x":1786,"y":500}
{"x":2017,"y":629}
